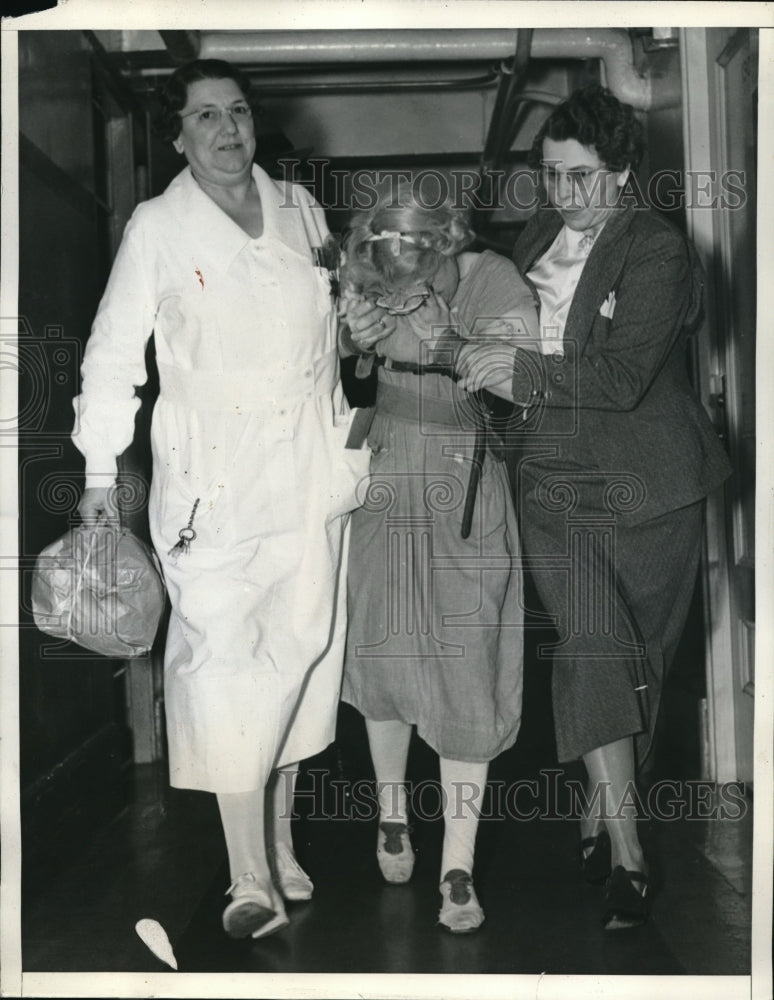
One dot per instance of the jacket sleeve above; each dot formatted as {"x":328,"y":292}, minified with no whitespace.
{"x":631,"y":335}
{"x":114,"y":361}
{"x":508,"y":310}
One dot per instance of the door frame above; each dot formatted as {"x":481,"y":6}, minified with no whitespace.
{"x":721,"y":759}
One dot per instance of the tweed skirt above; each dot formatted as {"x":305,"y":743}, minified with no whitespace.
{"x":618,"y":594}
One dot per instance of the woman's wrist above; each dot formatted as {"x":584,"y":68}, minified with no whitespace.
{"x":465,"y":352}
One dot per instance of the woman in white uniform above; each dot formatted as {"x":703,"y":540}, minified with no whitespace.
{"x":251,"y":479}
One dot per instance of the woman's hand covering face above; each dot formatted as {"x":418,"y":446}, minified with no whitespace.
{"x":367,"y":322}
{"x":396,"y":337}
{"x":426,"y":323}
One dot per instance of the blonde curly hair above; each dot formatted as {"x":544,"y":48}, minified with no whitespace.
{"x":400,"y":241}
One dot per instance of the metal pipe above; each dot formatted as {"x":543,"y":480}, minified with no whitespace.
{"x":612,"y":45}
{"x":356,"y":46}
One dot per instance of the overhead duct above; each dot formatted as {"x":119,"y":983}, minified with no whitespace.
{"x":613,"y":46}
{"x":356,"y":46}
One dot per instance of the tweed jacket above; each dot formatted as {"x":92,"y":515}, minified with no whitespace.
{"x":619,"y":403}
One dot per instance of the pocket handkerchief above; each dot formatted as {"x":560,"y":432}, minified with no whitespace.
{"x":608,"y":306}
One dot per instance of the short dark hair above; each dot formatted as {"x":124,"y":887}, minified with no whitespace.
{"x":595,"y":118}
{"x":172,"y":96}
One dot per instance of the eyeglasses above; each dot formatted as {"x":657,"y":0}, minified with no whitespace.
{"x":581,"y":178}
{"x":211,"y":117}
{"x":401,"y":303}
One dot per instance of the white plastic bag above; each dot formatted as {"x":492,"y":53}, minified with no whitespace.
{"x":99,"y":586}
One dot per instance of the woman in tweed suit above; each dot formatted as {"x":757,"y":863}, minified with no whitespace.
{"x":615,"y":458}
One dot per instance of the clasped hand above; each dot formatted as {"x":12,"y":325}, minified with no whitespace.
{"x":97,"y":505}
{"x":396,"y":337}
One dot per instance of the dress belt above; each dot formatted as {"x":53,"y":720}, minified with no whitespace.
{"x":248,"y":392}
{"x":395,"y":401}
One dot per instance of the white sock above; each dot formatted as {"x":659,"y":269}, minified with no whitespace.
{"x":389,"y":744}
{"x":464,"y":785}
{"x":393,"y":803}
{"x":283,"y":789}
{"x":242,"y":816}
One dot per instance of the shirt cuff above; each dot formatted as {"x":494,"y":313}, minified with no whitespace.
{"x":101,"y":471}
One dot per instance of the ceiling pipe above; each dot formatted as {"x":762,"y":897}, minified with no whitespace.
{"x":612,"y":45}
{"x":356,"y":46}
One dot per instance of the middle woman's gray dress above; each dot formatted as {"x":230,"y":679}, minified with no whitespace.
{"x":436,"y":621}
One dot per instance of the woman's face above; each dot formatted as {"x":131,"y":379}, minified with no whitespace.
{"x":217,"y":140}
{"x":578,"y":184}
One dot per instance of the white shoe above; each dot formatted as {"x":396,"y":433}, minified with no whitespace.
{"x":394,"y":852}
{"x":253,"y":910}
{"x":460,"y":910}
{"x":295,"y":885}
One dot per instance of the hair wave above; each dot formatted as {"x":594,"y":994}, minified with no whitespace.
{"x":173,"y":94}
{"x":595,"y":118}
{"x":400,"y":239}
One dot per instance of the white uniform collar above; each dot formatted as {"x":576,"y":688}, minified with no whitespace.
{"x":223,"y":235}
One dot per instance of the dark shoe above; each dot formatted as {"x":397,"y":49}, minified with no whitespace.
{"x":596,"y":864}
{"x":625,"y":905}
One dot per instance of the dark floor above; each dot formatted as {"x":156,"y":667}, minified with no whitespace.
{"x":163,"y":858}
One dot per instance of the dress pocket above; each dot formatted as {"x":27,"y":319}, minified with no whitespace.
{"x":350,"y":469}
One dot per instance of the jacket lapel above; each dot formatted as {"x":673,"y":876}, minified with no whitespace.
{"x":599,"y":277}
{"x":600,"y":274}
